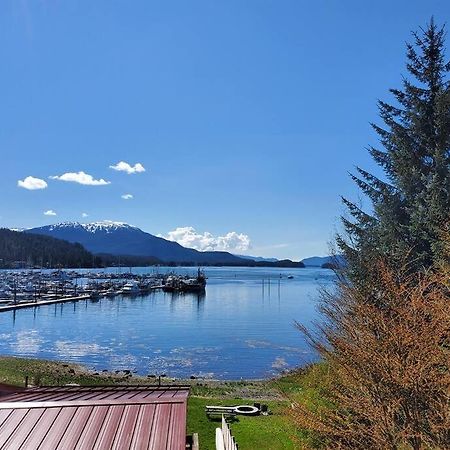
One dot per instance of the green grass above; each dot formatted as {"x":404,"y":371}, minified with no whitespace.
{"x":305,"y":385}
{"x":41,"y":372}
{"x":274,"y":432}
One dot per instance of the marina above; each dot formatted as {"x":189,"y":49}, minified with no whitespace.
{"x":243,"y":315}
{"x":32,"y":288}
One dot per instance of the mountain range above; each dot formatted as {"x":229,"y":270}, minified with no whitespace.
{"x":118,"y":238}
{"x":319,"y":261}
{"x":257,"y":258}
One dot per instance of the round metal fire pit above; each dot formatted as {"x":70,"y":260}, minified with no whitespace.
{"x":246,"y":410}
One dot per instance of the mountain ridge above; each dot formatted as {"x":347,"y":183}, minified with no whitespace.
{"x":18,"y":249}
{"x":257,"y":258}
{"x":119,"y":238}
{"x":319,"y":261}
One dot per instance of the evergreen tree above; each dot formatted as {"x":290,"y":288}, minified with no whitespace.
{"x":411,"y":204}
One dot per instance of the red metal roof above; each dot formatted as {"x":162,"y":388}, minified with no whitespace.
{"x":7,"y":389}
{"x":129,"y":417}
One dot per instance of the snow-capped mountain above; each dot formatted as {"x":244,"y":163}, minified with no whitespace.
{"x":107,"y":226}
{"x":118,"y":238}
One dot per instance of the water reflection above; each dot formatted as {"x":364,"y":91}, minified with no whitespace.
{"x":241,"y":327}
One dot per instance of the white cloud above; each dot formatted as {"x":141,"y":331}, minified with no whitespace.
{"x":50,"y":212}
{"x":81,"y":178}
{"x":127,"y":196}
{"x":123,"y":166}
{"x":32,"y":183}
{"x":84,"y":214}
{"x":189,"y":237}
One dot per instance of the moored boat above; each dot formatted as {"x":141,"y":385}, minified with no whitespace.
{"x":111,"y":292}
{"x":130,"y":288}
{"x":175,"y":283}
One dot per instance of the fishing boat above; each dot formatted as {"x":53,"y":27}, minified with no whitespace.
{"x":175,"y":283}
{"x":191,"y":285}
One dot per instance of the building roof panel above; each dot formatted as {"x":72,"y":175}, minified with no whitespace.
{"x":131,"y":417}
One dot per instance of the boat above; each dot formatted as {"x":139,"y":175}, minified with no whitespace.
{"x":175,"y":283}
{"x":111,"y":292}
{"x":5,"y":293}
{"x":94,"y":295}
{"x":130,"y":288}
{"x":191,"y":285}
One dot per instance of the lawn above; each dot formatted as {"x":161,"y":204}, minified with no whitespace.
{"x":272,"y":432}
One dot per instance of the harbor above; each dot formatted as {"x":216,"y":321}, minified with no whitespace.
{"x":177,"y":333}
{"x":32,"y":288}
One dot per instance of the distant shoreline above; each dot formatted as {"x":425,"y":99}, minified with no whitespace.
{"x":280,"y":264}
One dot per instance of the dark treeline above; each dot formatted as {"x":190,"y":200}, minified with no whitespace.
{"x":285,"y":263}
{"x":27,"y":250}
{"x":144,"y":261}
{"x":107,"y":260}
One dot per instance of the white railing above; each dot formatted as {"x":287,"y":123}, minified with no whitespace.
{"x":224,"y":438}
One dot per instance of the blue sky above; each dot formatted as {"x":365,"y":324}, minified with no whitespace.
{"x":246,"y":115}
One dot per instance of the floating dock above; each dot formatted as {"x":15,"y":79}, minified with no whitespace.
{"x":33,"y":304}
{"x":19,"y":290}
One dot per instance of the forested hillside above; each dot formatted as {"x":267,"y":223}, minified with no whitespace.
{"x":25,"y":249}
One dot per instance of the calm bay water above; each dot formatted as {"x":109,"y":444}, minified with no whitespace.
{"x":238,"y":329}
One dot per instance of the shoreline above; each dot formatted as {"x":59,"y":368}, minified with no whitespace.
{"x":303,"y":385}
{"x":15,"y":370}
{"x":283,"y":264}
